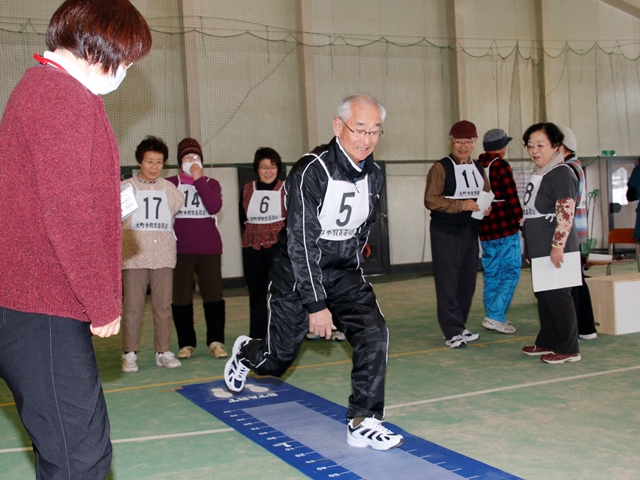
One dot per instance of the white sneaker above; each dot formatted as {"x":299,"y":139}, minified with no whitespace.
{"x":129,"y":363}
{"x":371,"y":433}
{"x":235,"y":372}
{"x":167,"y":360}
{"x":589,"y":336}
{"x":468,"y":336}
{"x":502,"y":327}
{"x":338,"y":336}
{"x":455,"y":342}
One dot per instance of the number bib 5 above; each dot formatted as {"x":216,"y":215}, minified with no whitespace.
{"x":153,"y":213}
{"x":469,"y":182}
{"x":344,"y":209}
{"x":265,"y":206}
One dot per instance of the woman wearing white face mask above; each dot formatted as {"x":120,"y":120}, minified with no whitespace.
{"x":199,"y":252}
{"x":61,"y":261}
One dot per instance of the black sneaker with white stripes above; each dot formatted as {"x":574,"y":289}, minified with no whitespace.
{"x":371,"y":433}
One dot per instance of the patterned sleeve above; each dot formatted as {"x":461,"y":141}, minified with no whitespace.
{"x":565,"y":208}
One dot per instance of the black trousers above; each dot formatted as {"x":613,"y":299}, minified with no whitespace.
{"x":584,"y":308}
{"x":256,"y":272}
{"x":455,"y":268}
{"x":558,"y":323}
{"x":355,"y":312}
{"x":50,"y":367}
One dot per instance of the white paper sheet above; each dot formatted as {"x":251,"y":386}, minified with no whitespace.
{"x":128,"y":201}
{"x":483,"y":201}
{"x":545,"y":276}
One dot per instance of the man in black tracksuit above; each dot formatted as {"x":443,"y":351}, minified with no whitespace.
{"x":316,"y":278}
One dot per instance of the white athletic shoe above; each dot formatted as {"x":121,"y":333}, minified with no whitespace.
{"x":468,"y":336}
{"x":129,"y":363}
{"x":502,"y":327}
{"x":338,"y":336}
{"x":235,"y":372}
{"x":167,"y":360}
{"x":371,"y":433}
{"x":455,"y":342}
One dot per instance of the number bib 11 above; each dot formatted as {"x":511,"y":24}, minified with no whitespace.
{"x":265,"y":206}
{"x":469,"y":182}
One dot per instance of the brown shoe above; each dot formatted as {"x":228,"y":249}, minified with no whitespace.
{"x":217,"y":350}
{"x":536,"y":351}
{"x":554,"y":358}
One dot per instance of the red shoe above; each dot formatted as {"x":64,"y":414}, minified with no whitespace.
{"x":535,"y":351}
{"x":554,"y":358}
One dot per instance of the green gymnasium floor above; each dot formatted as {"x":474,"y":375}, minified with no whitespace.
{"x":489,"y":401}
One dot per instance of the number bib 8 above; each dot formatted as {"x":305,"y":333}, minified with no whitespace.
{"x":265,"y":206}
{"x":344,"y":209}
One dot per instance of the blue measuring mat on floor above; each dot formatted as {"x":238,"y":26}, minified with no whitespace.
{"x":309,"y":433}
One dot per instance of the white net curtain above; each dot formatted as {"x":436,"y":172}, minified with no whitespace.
{"x":236,"y":83}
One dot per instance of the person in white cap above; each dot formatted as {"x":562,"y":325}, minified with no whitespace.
{"x":581,"y":295}
{"x":500,"y":234}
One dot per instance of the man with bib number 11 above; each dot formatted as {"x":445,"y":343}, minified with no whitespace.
{"x":453,"y":186}
{"x":316,"y":277}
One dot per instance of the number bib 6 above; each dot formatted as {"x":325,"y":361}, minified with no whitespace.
{"x":265,"y":206}
{"x":344,"y":209}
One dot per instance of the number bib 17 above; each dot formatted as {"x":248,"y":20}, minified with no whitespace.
{"x":153,"y":212}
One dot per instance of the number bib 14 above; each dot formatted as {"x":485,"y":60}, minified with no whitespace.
{"x":193,"y":206}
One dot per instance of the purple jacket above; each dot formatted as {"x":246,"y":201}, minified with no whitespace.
{"x":200,"y":235}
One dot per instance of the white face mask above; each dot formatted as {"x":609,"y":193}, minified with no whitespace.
{"x":101,"y":84}
{"x":186,"y":167}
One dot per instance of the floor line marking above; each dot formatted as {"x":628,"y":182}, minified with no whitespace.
{"x":139,"y":439}
{"x":297,"y":367}
{"x":388,"y":407}
{"x":512,"y":387}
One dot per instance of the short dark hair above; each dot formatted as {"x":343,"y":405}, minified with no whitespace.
{"x":551,"y":130}
{"x":152,"y":144}
{"x":109,"y":32}
{"x":266,"y":152}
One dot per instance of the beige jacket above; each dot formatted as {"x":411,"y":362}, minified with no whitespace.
{"x":151,"y":249}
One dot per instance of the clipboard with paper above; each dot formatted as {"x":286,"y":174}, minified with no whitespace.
{"x":545,"y":276}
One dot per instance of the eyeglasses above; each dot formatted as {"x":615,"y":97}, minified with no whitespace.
{"x":153,"y":163}
{"x":539,"y":146}
{"x":267,"y":167}
{"x":463,"y":143}
{"x":359,"y":133}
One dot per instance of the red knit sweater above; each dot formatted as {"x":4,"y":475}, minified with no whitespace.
{"x":60,"y":202}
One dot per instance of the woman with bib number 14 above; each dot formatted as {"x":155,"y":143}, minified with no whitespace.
{"x":199,"y":252}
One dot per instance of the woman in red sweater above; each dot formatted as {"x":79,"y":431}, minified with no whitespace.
{"x":60,"y":214}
